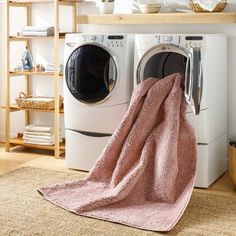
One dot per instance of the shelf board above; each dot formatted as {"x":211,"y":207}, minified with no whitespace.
{"x":25,"y":38}
{"x":158,"y":18}
{"x":14,"y":108}
{"x":19,"y":141}
{"x":20,"y":73}
{"x":25,"y":3}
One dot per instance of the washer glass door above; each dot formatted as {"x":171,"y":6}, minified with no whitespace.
{"x":90,"y":73}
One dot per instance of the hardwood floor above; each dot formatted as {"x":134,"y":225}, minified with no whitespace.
{"x":21,"y":157}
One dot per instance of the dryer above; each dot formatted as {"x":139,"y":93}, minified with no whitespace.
{"x":202,"y":58}
{"x":97,"y":91}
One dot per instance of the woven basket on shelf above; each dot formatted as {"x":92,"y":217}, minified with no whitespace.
{"x":197,"y":8}
{"x":43,"y":103}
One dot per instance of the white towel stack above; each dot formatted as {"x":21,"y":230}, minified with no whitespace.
{"x":39,"y":31}
{"x":38,"y":134}
{"x":51,"y":68}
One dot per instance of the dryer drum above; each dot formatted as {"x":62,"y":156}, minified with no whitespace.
{"x":163,"y":64}
{"x":90,"y":73}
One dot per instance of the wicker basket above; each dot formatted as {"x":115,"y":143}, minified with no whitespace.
{"x":43,"y":103}
{"x":196,"y":7}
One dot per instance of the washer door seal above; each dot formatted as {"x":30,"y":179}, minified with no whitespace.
{"x":90,"y":73}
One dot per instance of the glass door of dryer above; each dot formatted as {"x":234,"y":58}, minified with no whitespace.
{"x":90,"y":73}
{"x":194,"y":79}
{"x":165,"y":60}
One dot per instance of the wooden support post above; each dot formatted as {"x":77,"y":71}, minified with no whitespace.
{"x":56,"y":79}
{"x":74,"y":13}
{"x":7,"y":78}
{"x":27,"y":77}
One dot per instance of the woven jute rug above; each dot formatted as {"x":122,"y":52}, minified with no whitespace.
{"x":24,"y":212}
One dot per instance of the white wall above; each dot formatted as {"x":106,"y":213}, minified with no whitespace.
{"x":42,"y":52}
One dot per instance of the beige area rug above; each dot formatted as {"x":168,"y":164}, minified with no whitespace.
{"x":24,"y":212}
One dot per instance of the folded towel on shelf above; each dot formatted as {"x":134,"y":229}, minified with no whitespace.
{"x":33,"y":33}
{"x":38,"y":28}
{"x":40,"y":141}
{"x":39,"y":128}
{"x":29,"y":141}
{"x":37,"y":31}
{"x":38,"y":137}
{"x":51,"y":68}
{"x":38,"y":133}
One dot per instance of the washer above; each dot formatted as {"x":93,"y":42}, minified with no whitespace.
{"x":97,"y":91}
{"x":202,"y":58}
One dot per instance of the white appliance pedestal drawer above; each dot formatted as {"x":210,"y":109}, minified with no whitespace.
{"x":208,"y":125}
{"x":82,"y":150}
{"x":211,"y":162}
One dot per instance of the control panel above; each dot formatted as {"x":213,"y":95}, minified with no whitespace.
{"x":113,"y":41}
{"x":181,"y":40}
{"x":117,"y":41}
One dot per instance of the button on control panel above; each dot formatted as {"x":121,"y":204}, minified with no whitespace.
{"x":114,"y":44}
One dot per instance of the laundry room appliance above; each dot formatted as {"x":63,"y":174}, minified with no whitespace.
{"x":202,"y":59}
{"x":97,"y":91}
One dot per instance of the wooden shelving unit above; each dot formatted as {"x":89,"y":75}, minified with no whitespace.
{"x":9,"y":142}
{"x":41,"y":73}
{"x":22,"y":38}
{"x":25,"y":3}
{"x":159,"y":18}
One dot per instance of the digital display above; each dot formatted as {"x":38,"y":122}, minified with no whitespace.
{"x":116,"y":37}
{"x":197,"y":38}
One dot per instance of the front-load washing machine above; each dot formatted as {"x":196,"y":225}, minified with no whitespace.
{"x":97,"y":90}
{"x":202,"y":59}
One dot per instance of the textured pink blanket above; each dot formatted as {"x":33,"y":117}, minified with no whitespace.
{"x":145,"y":175}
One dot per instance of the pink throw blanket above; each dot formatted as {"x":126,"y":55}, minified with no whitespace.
{"x":145,"y":176}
